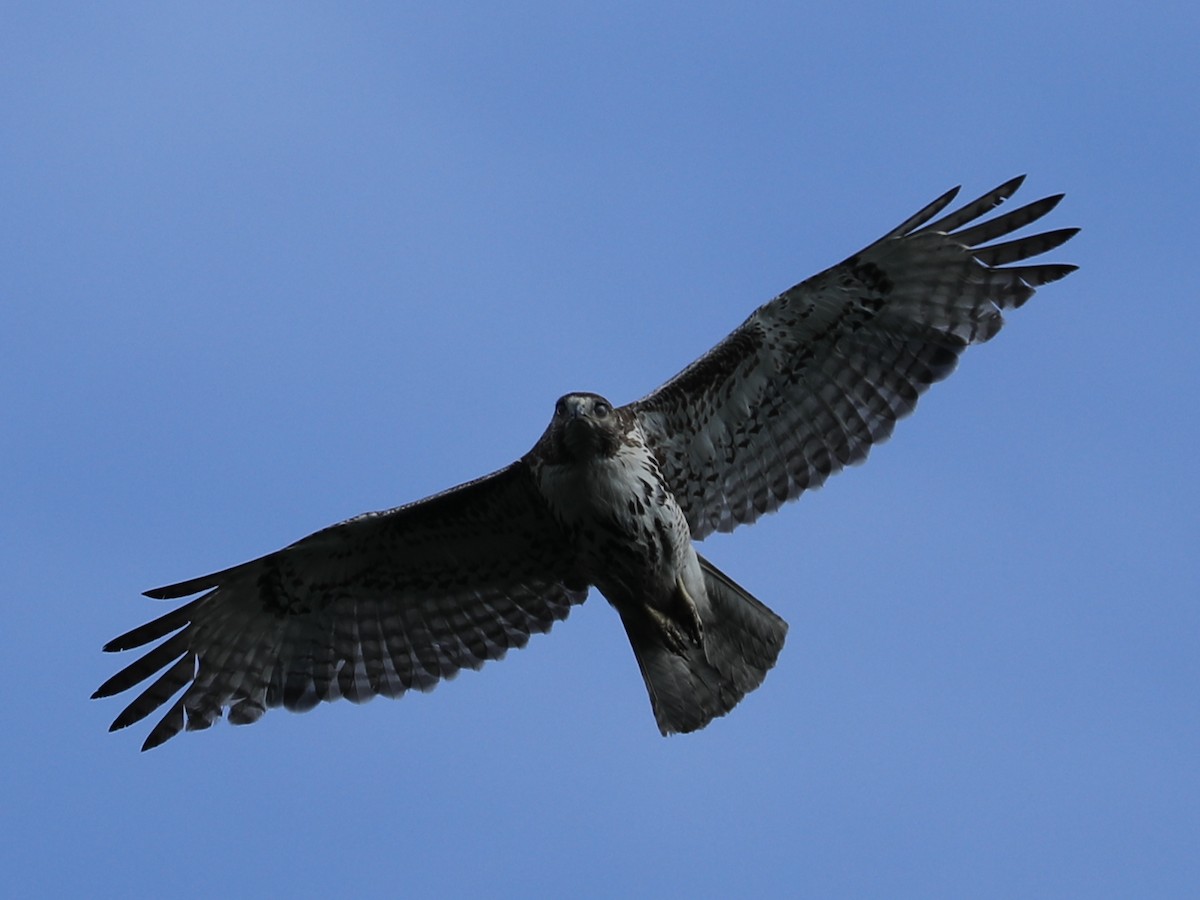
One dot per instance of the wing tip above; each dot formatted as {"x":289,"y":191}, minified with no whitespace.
{"x":175,"y":591}
{"x":154,"y":741}
{"x":1053,"y":200}
{"x":1011,"y":186}
{"x":203,"y":582}
{"x":1058,"y":271}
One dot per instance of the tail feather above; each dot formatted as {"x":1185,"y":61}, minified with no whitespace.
{"x":693,"y":683}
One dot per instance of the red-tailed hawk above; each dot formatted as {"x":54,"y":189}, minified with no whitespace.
{"x":611,"y":497}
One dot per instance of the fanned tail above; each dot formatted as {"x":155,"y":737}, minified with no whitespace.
{"x":691,"y":683}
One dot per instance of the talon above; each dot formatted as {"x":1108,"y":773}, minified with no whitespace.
{"x":673,"y":635}
{"x":695,"y":627}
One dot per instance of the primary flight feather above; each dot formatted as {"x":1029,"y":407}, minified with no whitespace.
{"x":611,"y":497}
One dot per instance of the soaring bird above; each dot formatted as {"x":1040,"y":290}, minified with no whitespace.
{"x":610,"y":497}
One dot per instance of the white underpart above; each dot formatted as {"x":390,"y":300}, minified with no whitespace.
{"x":587,"y":493}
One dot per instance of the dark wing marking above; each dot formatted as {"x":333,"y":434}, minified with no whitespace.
{"x":379,"y":604}
{"x":816,"y":376}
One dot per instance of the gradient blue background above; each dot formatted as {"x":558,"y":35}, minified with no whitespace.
{"x":263,"y":267}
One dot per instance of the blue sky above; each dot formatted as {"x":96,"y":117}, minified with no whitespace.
{"x":265,"y":267}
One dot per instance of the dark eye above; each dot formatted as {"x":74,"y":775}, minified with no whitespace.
{"x":560,"y":407}
{"x":601,"y":409}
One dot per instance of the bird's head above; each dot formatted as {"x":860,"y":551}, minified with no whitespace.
{"x":585,"y":425}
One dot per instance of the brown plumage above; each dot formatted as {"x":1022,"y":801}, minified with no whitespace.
{"x":610,"y":497}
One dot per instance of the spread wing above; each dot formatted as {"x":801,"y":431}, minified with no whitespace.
{"x":376,"y":605}
{"x":816,"y":376}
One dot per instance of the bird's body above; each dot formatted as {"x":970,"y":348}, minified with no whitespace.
{"x":604,"y":488}
{"x":608,"y":497}
{"x":631,"y":538}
